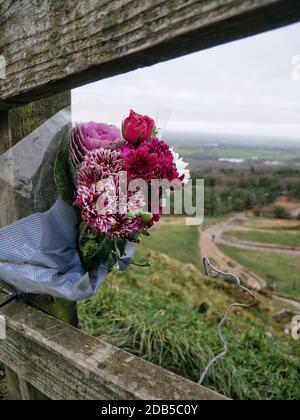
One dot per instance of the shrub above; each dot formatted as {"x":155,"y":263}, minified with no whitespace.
{"x":280,"y":212}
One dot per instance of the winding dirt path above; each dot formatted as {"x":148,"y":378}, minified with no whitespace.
{"x":235,"y":223}
{"x":211,"y":237}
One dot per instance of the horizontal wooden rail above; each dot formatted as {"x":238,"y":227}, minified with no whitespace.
{"x":51,"y":46}
{"x":65,"y":364}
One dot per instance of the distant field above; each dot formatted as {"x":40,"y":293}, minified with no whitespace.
{"x":270,"y":224}
{"x":238,"y":153}
{"x":282,"y":270}
{"x":176,"y":240}
{"x":281,"y":238}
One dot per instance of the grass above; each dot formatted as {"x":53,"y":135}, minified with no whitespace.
{"x":173,"y":238}
{"x":270,"y":224}
{"x":281,"y":238}
{"x":280,"y":270}
{"x":168,"y":313}
{"x":154,"y":314}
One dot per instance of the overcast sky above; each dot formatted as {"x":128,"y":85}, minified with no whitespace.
{"x":245,"y":87}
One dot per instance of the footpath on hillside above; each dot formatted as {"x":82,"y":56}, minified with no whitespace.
{"x":213,"y":236}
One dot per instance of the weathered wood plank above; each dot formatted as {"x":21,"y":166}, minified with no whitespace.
{"x":20,"y":390}
{"x":65,"y":364}
{"x":54,"y":45}
{"x":24,"y":120}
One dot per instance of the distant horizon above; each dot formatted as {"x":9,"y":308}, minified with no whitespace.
{"x":227,"y":138}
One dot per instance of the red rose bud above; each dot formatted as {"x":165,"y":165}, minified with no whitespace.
{"x":138,"y":128}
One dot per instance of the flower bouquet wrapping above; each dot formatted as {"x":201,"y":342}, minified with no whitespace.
{"x":84,"y":197}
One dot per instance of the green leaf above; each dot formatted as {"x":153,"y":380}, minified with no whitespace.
{"x":121,"y":246}
{"x":63,"y":178}
{"x":145,"y":215}
{"x":155,"y":131}
{"x":89,"y":249}
{"x":72,"y":168}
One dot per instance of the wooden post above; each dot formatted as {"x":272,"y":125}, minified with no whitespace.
{"x":15,"y":125}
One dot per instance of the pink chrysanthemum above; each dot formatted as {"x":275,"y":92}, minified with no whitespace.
{"x":98,"y":165}
{"x":153,"y":160}
{"x":98,"y":196}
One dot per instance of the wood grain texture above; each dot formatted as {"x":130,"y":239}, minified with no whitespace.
{"x":24,"y":120}
{"x":54,"y":45}
{"x":65,"y":364}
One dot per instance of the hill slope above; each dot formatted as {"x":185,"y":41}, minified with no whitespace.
{"x":168,"y":315}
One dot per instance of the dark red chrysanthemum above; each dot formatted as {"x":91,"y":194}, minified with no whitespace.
{"x":153,"y":160}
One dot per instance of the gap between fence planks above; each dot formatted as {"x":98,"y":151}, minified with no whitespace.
{"x":63,"y":363}
{"x":54,"y":45}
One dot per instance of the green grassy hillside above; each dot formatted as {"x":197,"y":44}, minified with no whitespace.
{"x":271,"y":224}
{"x":279,"y":237}
{"x":280,"y":270}
{"x":168,"y":315}
{"x":173,"y":238}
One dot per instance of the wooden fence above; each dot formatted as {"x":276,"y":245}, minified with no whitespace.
{"x":63,"y":363}
{"x":49,"y":47}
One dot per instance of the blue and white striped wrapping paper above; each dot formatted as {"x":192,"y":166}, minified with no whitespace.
{"x":38,"y":253}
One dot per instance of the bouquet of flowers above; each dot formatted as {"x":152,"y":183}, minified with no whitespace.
{"x":115,"y":172}
{"x":60,"y":235}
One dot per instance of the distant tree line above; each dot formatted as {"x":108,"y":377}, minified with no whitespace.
{"x":236,"y":190}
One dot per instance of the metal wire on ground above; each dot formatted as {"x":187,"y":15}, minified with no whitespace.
{"x":207,"y":265}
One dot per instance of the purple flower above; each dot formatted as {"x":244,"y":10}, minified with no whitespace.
{"x":99,"y":197}
{"x":86,"y":137}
